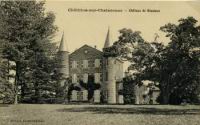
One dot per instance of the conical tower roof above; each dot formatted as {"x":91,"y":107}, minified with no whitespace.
{"x":107,"y":41}
{"x":63,"y":44}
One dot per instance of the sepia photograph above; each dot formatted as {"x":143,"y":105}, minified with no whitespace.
{"x":99,"y":62}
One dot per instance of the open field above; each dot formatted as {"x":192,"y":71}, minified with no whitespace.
{"x":44,"y":114}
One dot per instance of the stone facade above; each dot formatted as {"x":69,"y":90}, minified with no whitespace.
{"x":87,"y":62}
{"x":82,"y":64}
{"x":143,"y":96}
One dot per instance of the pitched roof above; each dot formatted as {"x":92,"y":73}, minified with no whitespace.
{"x":107,"y":41}
{"x":86,"y":46}
{"x":63,"y":44}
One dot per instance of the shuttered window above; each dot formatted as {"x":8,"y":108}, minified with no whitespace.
{"x":74,"y":64}
{"x":97,"y":63}
{"x":85,"y":77}
{"x":74,"y":78}
{"x":85,"y":63}
{"x":97,"y":77}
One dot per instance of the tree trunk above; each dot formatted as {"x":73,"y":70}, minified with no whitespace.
{"x":37,"y":95}
{"x":165,"y":98}
{"x":16,"y":99}
{"x":16,"y":83}
{"x":22,"y":91}
{"x":165,"y":94}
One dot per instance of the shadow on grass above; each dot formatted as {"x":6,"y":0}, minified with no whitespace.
{"x":134,"y":110}
{"x":4,"y":105}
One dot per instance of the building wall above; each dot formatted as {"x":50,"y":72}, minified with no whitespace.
{"x":112,"y":76}
{"x":140,"y":93}
{"x":64,"y":65}
{"x":143,"y":90}
{"x":80,"y":57}
{"x":84,"y":62}
{"x":119,"y":70}
{"x":88,"y":61}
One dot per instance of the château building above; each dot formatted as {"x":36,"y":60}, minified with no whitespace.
{"x":89,"y":62}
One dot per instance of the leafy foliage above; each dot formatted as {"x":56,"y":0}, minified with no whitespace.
{"x":182,"y":60}
{"x":27,"y":30}
{"x":6,"y":88}
{"x":90,"y":86}
{"x":175,"y":66}
{"x":128,"y":90}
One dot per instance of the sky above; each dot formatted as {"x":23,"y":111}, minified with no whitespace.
{"x":91,"y":27}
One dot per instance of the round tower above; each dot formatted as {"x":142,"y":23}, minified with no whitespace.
{"x":109,"y":71}
{"x":63,"y":55}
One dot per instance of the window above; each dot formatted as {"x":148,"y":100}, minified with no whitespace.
{"x":85,"y":95}
{"x":97,"y":77}
{"x":106,"y":94}
{"x":106,"y":76}
{"x":74,"y":95}
{"x":85,"y":51}
{"x":97,"y":63}
{"x":97,"y":96}
{"x":85,"y":63}
{"x":80,"y":96}
{"x":106,"y":62}
{"x":74,"y":64}
{"x":85,"y":77}
{"x":101,"y":77}
{"x":74,"y":78}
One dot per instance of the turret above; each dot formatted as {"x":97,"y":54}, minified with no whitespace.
{"x":107,"y":41}
{"x":109,"y":71}
{"x":63,"y":55}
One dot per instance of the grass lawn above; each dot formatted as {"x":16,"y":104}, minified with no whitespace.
{"x":47,"y":114}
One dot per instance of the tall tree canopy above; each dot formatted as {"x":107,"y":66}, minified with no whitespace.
{"x":27,"y":31}
{"x":174,"y":66}
{"x":181,"y":62}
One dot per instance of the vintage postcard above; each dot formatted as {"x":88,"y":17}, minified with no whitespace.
{"x":99,"y":62}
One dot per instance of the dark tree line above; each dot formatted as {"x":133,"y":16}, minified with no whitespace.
{"x":175,"y":66}
{"x":27,"y":50}
{"x":26,"y":33}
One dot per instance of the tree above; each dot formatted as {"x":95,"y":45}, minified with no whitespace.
{"x":175,"y":66}
{"x":129,"y":90}
{"x":133,"y":48}
{"x":181,"y":62}
{"x":6,"y":90}
{"x":27,"y":31}
{"x":90,"y":86}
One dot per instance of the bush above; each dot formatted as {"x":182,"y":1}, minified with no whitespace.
{"x":129,"y":92}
